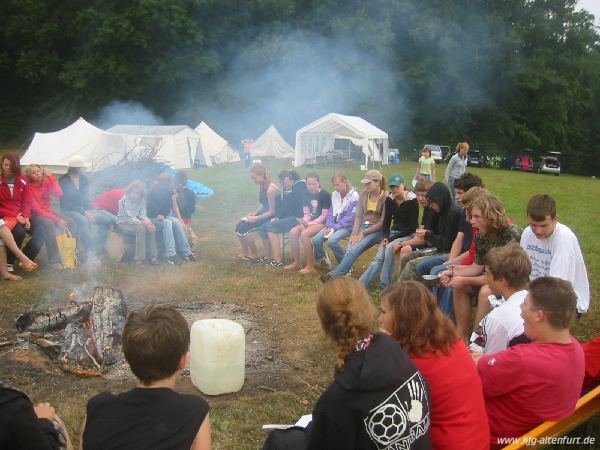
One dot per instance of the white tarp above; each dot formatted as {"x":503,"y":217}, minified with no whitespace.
{"x":98,"y":147}
{"x":317,"y":139}
{"x":213,"y":149}
{"x":271,"y":143}
{"x":177,"y":144}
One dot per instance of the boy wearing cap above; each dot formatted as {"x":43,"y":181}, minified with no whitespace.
{"x":368,"y":222}
{"x":401,"y":207}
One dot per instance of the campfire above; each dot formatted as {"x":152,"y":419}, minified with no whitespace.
{"x":91,"y":340}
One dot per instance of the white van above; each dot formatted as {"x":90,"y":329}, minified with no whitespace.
{"x":438,"y":152}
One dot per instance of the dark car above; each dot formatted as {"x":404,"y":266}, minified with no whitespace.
{"x":546,"y":164}
{"x":475,"y":158}
{"x":518,"y":161}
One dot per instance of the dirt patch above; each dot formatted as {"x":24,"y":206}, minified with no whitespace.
{"x":264,"y":365}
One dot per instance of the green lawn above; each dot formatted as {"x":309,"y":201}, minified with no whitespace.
{"x":282,"y":303}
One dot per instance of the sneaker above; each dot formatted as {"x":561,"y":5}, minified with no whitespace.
{"x":190,"y":258}
{"x":274,"y":263}
{"x":326,"y":262}
{"x":349,"y":274}
{"x":260,"y":259}
{"x":10,"y":268}
{"x":175,"y":259}
{"x":154,"y":262}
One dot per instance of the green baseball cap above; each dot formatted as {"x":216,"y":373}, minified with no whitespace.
{"x":396,"y":180}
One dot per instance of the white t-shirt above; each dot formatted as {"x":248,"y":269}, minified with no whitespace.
{"x":499,"y":327}
{"x":558,"y":256}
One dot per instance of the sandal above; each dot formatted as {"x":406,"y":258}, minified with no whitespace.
{"x":29,"y":267}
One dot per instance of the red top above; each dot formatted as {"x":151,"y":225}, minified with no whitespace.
{"x":109,"y":200}
{"x":591,"y":350}
{"x":458,"y":418}
{"x":17,"y":202}
{"x":529,"y":384}
{"x":40,"y":197}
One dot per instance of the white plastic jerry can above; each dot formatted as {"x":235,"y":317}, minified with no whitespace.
{"x":218,"y":356}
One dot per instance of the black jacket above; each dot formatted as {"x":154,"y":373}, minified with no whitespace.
{"x":291,"y":205}
{"x":19,"y":426}
{"x":448,"y":218}
{"x":74,"y":199}
{"x":379,"y":399}
{"x":405,"y":216}
{"x":159,"y":201}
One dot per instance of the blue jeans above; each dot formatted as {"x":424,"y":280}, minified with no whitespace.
{"x":83,"y":232}
{"x":354,"y":251}
{"x":451,"y":187}
{"x":385,"y":263}
{"x":173,"y":234}
{"x":334,"y":243}
{"x":425,"y":266}
{"x":103,"y":220}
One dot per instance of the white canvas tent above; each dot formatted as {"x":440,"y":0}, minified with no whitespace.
{"x":213,"y":149}
{"x":98,"y":147}
{"x":177,"y":144}
{"x":271,"y":143}
{"x":317,"y":139}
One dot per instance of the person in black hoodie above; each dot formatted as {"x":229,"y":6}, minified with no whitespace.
{"x":24,"y":426}
{"x":441,"y":238}
{"x":378,"y":398}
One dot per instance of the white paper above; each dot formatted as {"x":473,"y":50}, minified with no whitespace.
{"x":302,"y":422}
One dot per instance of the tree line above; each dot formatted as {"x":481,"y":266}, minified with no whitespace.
{"x":501,"y":74}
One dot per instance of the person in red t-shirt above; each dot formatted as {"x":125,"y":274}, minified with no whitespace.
{"x":528,"y":384}
{"x":409,"y":313}
{"x":591,"y":350}
{"x":109,"y":201}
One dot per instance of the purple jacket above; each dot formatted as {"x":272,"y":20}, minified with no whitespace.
{"x":342,"y":211}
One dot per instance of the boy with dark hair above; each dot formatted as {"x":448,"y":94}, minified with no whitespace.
{"x":156,"y":343}
{"x":507,"y":272}
{"x":553,"y":248}
{"x":528,"y":384}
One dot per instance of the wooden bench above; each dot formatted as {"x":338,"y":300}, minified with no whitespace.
{"x":587,"y":406}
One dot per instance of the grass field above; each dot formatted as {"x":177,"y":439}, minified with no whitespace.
{"x":282,"y":304}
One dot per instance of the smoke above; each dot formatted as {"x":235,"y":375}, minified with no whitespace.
{"x":125,"y":113}
{"x":290,"y":77}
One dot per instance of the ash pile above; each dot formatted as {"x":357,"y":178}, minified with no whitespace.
{"x":86,"y":337}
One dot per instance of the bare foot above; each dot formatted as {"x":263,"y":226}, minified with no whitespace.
{"x":11,"y":277}
{"x":291,"y":266}
{"x":28,"y":265}
{"x":306,"y":270}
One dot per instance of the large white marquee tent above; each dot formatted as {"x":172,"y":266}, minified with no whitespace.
{"x":317,"y":139}
{"x":98,"y":147}
{"x":271,"y":144}
{"x":213,"y":148}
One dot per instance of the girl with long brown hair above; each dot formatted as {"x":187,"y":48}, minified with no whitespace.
{"x":409,"y":313}
{"x":375,"y":383}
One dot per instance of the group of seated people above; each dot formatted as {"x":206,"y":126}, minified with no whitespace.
{"x":426,"y":377}
{"x":410,"y":383}
{"x":26,"y":208}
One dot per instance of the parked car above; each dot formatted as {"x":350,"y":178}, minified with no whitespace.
{"x":438,"y":152}
{"x":518,"y":161}
{"x":475,"y":158}
{"x":546,"y":164}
